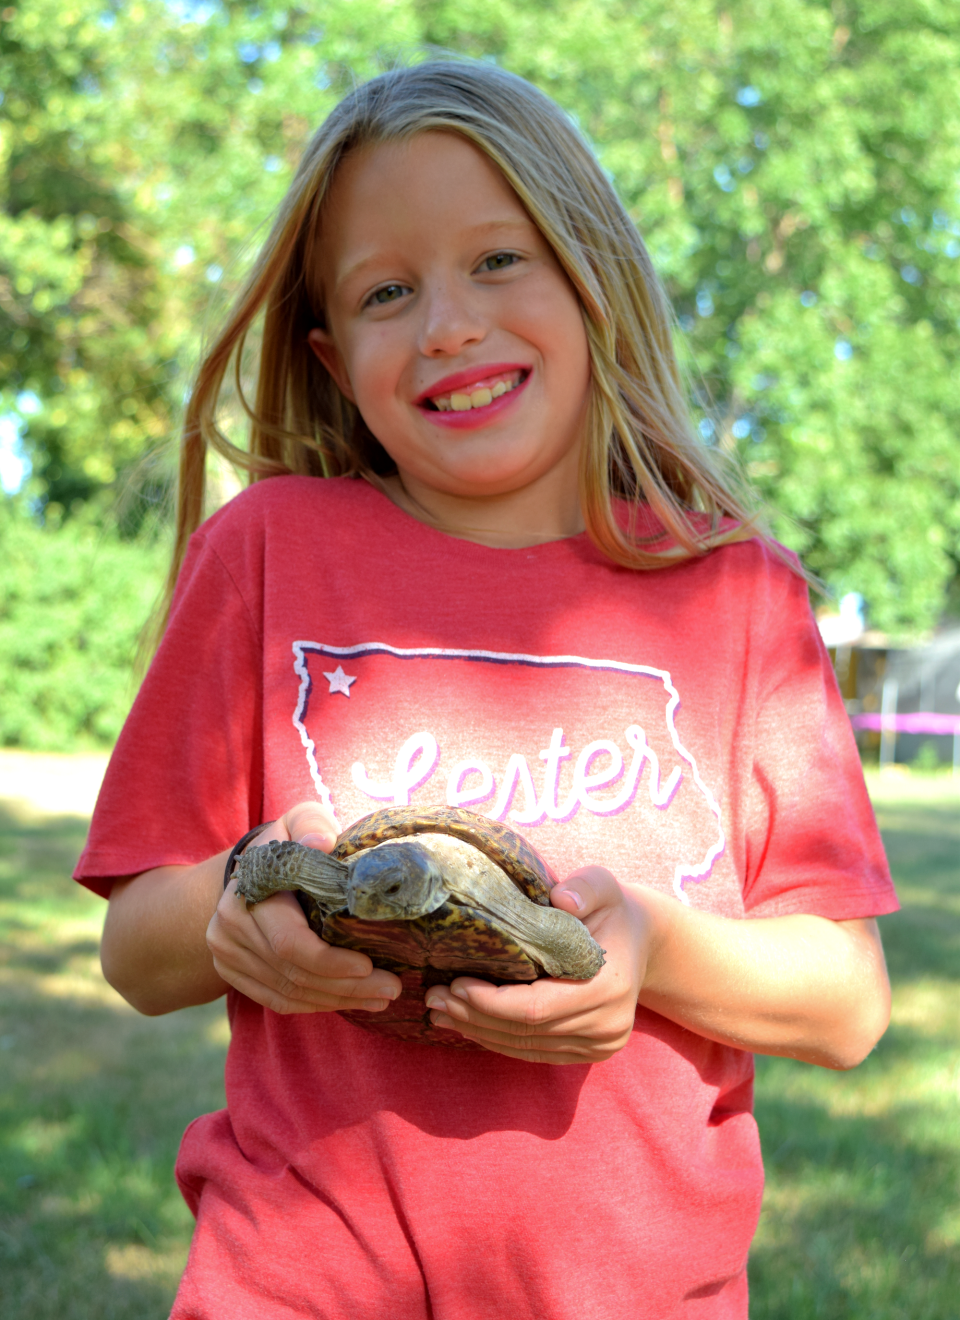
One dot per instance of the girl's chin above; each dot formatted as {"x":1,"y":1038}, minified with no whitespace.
{"x":470,"y":465}
{"x":469,"y":487}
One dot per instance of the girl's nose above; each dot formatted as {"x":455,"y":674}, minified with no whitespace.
{"x":451,"y":320}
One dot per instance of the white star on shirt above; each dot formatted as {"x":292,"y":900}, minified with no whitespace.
{"x":339,"y":681}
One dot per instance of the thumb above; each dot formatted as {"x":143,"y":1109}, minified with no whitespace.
{"x":312,"y":824}
{"x":586,"y":891}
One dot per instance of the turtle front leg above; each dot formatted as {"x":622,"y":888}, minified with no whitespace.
{"x":284,"y":865}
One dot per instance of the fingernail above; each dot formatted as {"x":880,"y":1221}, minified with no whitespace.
{"x":320,"y":841}
{"x":460,"y":993}
{"x":434,"y":1002}
{"x":375,"y":1005}
{"x":575,"y":896}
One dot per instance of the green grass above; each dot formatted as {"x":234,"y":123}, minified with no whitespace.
{"x":862,"y":1210}
{"x":93,"y":1100}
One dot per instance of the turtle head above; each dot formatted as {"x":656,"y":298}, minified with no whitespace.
{"x":398,"y":879}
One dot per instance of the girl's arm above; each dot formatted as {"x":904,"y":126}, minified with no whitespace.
{"x":173,"y":938}
{"x":801,"y":986}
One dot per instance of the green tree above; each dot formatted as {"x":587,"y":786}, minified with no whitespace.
{"x":793,"y":167}
{"x":72,"y":603}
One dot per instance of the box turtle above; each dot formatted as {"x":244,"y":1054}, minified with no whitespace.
{"x":429,"y":895}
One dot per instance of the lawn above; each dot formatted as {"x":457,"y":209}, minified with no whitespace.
{"x":862,"y":1210}
{"x":93,"y":1100}
{"x":861,"y":1215}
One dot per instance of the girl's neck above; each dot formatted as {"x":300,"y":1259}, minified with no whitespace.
{"x":514,"y":520}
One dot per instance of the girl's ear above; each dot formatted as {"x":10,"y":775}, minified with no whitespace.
{"x":321,"y":341}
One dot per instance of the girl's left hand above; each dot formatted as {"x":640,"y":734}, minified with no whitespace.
{"x":554,"y":1021}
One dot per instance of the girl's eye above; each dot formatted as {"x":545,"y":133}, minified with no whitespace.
{"x":499,"y":261}
{"x":388,"y":294}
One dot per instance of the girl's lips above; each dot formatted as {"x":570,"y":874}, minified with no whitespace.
{"x":470,"y":379}
{"x":473,"y":417}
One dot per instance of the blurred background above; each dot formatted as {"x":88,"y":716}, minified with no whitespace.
{"x":794,"y":168}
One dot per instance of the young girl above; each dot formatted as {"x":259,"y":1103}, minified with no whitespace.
{"x":491,"y":566}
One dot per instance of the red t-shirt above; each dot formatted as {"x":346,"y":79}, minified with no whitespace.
{"x":681,"y":727}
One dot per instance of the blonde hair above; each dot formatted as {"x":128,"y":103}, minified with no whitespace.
{"x":641,"y":445}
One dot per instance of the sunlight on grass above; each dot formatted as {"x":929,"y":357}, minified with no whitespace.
{"x":928,"y":1007}
{"x":902,"y":786}
{"x":137,"y":1262}
{"x":860,"y":1216}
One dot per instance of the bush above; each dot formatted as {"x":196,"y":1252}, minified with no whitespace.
{"x":73,"y":600}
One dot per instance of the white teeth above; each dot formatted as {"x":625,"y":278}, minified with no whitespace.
{"x":458,"y":402}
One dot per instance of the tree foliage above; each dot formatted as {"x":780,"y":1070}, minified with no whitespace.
{"x":794,"y":169}
{"x":73,"y":601}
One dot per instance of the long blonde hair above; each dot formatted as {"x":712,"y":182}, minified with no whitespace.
{"x":641,"y":444}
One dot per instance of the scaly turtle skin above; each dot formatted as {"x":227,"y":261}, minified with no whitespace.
{"x":430,"y":895}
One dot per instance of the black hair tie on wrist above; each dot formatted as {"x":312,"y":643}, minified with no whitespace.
{"x":239,"y":846}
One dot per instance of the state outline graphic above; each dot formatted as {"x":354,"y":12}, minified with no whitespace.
{"x":302,"y":648}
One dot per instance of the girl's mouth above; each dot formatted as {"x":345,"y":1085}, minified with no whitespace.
{"x":478,"y":394}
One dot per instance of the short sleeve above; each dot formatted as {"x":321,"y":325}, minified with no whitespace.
{"x":185,"y":778}
{"x":812,"y":843}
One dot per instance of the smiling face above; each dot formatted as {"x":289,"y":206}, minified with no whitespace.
{"x":453,"y":328}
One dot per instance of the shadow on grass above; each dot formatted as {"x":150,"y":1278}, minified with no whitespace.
{"x":93,"y":1101}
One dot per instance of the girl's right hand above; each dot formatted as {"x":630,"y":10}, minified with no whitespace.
{"x":269,"y":953}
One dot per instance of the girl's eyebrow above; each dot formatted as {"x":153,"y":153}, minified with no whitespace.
{"x":486,"y":227}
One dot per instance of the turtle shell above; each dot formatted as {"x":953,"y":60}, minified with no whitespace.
{"x":525,"y":867}
{"x":455,"y":940}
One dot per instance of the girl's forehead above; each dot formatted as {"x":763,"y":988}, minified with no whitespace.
{"x":393,"y":188}
{"x":426,"y":151}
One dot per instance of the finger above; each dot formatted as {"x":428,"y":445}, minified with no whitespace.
{"x":311,"y":823}
{"x":273,"y":997}
{"x":586,"y":891}
{"x":293,"y":982}
{"x":302,"y":954}
{"x":534,"y":1048}
{"x":254,"y":960}
{"x":282,"y":923}
{"x":540,"y":1004}
{"x":276,"y":933}
{"x":601,"y":1024}
{"x":521,"y":1044}
{"x":278,"y":924}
